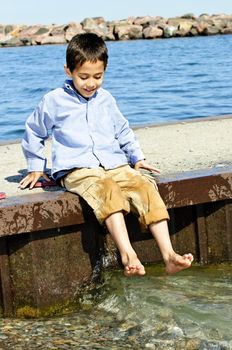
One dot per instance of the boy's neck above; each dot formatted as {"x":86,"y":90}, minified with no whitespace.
{"x":74,"y":88}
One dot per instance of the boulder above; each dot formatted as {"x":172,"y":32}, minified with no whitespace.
{"x":43,"y":30}
{"x":152,"y":32}
{"x":56,"y":39}
{"x":33,"y":31}
{"x":26,"y":41}
{"x":189,"y":16}
{"x":99,"y":20}
{"x":121,"y":30}
{"x":17,"y":30}
{"x":220,"y":22}
{"x":57,"y":30}
{"x":204,"y":16}
{"x":142,"y":20}
{"x":9,"y":28}
{"x":200,"y":27}
{"x":121,"y":22}
{"x":159,"y":22}
{"x":128,"y":31}
{"x":136,"y":32}
{"x":182,"y":24}
{"x":72,"y":29}
{"x":227,"y":30}
{"x":170,"y":31}
{"x":211,"y":30}
{"x":205,"y":19}
{"x":2,"y":29}
{"x":193,"y":32}
{"x":100,"y":29}
{"x":88,"y":22}
{"x":11,"y":41}
{"x":185,"y":26}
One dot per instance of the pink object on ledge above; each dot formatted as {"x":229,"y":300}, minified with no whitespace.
{"x":2,"y":195}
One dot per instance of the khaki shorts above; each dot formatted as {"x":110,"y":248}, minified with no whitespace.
{"x":120,"y":189}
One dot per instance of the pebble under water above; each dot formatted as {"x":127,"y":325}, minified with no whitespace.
{"x":192,"y":310}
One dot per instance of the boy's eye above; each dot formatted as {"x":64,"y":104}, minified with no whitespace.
{"x":98,"y":76}
{"x":83,"y":77}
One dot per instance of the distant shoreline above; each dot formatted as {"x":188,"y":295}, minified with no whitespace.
{"x":146,"y":27}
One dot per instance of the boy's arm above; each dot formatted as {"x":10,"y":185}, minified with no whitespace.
{"x":126,"y":137}
{"x":128,"y":141}
{"x":37,"y":126}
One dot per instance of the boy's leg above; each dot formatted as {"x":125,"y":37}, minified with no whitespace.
{"x":105,"y":197}
{"x":116,"y":226}
{"x":102,"y":193}
{"x":147,"y":203}
{"x":173,"y":261}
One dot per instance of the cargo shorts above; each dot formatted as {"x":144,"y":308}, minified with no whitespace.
{"x":122,"y":189}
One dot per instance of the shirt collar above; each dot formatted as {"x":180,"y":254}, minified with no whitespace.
{"x":69,"y":86}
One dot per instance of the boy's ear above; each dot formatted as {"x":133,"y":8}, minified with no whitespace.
{"x":67,"y":70}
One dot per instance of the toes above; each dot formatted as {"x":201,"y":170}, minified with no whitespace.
{"x":133,"y":270}
{"x":189,"y":256}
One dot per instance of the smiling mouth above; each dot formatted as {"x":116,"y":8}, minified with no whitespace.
{"x":89,"y":91}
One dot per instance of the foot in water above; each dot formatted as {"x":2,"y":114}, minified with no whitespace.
{"x":133,"y":267}
{"x":134,"y":270}
{"x":176,"y":263}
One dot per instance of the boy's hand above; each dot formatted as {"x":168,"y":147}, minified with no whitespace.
{"x":141,"y":164}
{"x":31,"y":179}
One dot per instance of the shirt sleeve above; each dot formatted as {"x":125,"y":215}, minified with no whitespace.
{"x":127,"y":139}
{"x":36,"y":132}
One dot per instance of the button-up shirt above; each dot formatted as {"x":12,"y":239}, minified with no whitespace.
{"x":85,"y":133}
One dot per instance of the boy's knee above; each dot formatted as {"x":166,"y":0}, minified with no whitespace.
{"x":111,"y":199}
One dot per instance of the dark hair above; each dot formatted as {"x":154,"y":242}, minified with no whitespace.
{"x":86,"y":47}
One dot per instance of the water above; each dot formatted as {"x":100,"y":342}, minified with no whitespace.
{"x":192,"y":310}
{"x":153,"y":81}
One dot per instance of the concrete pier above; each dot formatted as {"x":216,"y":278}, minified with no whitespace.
{"x":52,"y":246}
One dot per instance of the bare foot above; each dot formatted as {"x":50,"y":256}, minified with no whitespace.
{"x":134,"y":270}
{"x":177,"y":262}
{"x":133,"y":267}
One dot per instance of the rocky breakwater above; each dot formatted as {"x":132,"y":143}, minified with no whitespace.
{"x":146,"y":27}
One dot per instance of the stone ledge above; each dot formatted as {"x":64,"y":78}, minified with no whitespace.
{"x":42,"y":211}
{"x":52,"y":246}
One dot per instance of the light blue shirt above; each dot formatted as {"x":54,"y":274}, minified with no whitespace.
{"x":85,"y":133}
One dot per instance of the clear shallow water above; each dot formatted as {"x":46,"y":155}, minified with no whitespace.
{"x":192,"y":310}
{"x":153,"y":81}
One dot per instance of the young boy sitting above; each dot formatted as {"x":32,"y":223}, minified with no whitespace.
{"x":95,"y":154}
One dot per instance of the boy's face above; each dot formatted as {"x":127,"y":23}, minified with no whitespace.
{"x":87,"y":78}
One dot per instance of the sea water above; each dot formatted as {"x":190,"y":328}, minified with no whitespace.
{"x":154,"y":81}
{"x":191,"y":310}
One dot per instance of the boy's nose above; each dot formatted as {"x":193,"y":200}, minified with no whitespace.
{"x":90,"y":83}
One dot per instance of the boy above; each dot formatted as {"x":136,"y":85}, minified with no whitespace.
{"x":93,"y":152}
